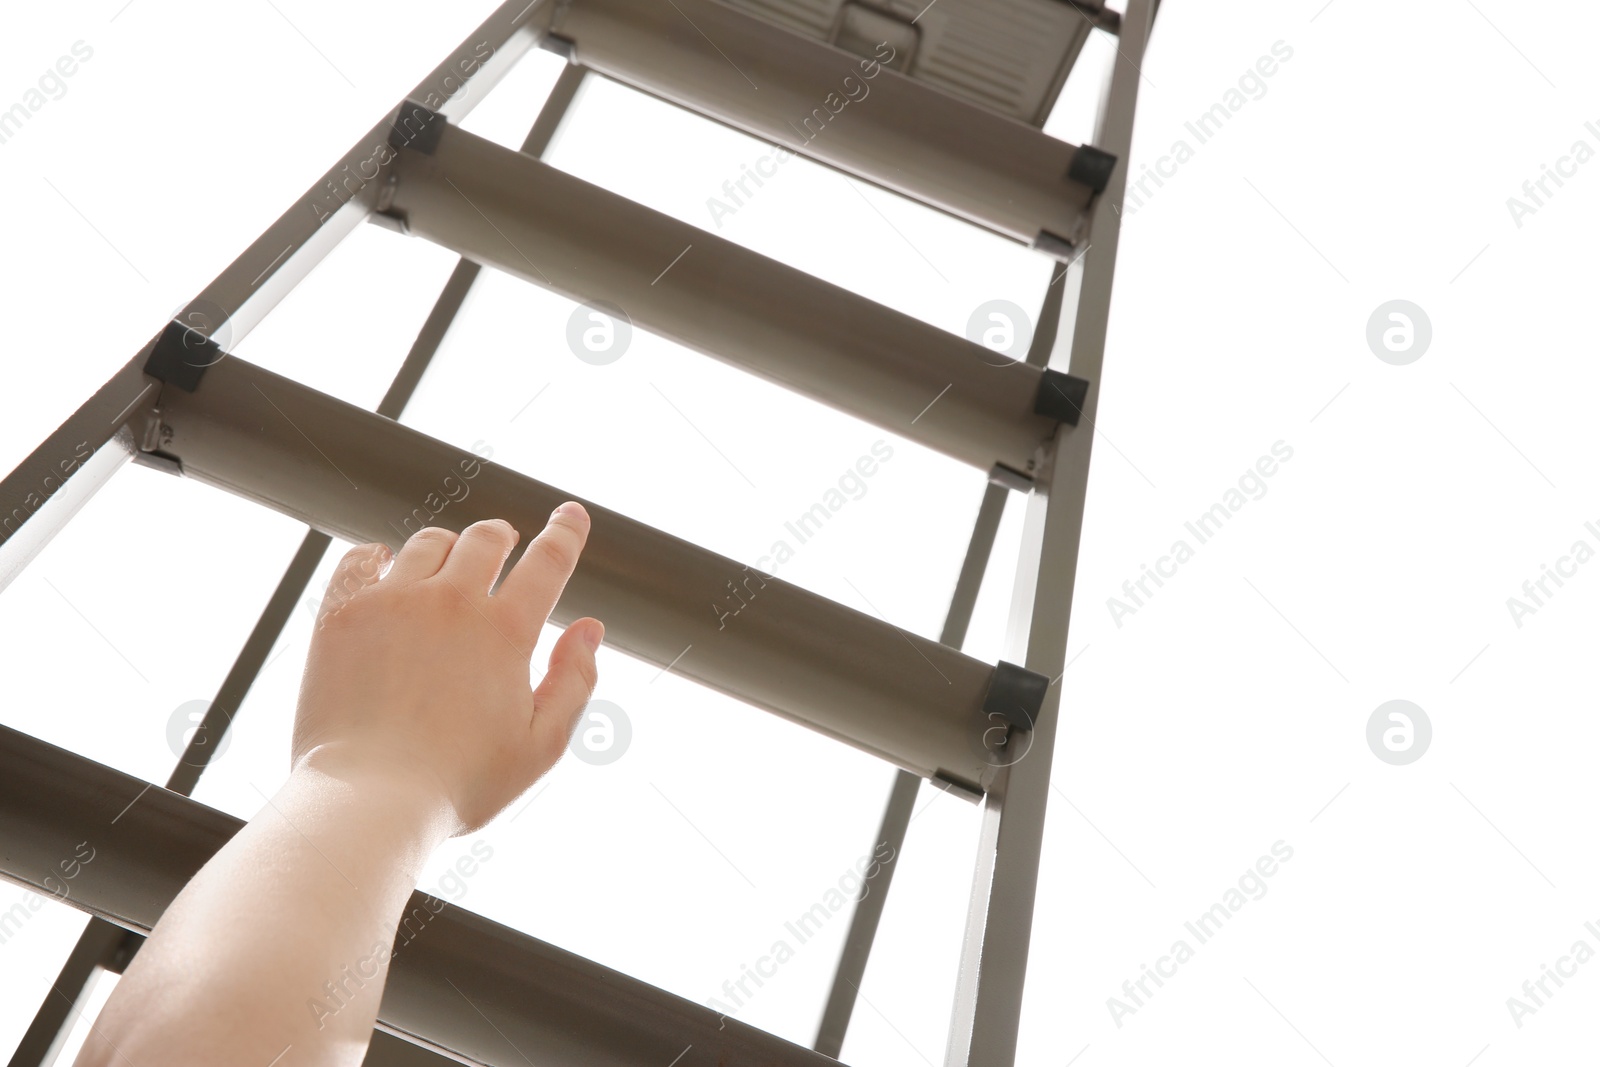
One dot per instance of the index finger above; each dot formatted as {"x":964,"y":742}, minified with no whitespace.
{"x":534,"y":585}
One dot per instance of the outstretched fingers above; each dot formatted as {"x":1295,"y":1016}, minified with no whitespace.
{"x":534,"y":585}
{"x":422,"y":555}
{"x":561,"y":697}
{"x":359,"y":568}
{"x":477,"y":556}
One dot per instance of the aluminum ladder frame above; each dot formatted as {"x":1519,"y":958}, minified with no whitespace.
{"x":180,"y":405}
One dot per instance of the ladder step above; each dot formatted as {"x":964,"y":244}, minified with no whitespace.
{"x":529,"y":219}
{"x":923,"y":142}
{"x":1009,"y":55}
{"x":359,"y":476}
{"x":547,"y":1003}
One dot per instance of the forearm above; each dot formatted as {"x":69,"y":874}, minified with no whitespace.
{"x":280,"y":946}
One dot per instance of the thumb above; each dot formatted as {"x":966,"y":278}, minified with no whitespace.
{"x":567,"y":687}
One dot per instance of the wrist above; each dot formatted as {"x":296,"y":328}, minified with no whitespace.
{"x":384,"y":788}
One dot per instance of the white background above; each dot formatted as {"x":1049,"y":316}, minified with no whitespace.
{"x":1228,"y":713}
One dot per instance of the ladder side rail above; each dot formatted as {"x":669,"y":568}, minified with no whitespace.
{"x":988,"y":1005}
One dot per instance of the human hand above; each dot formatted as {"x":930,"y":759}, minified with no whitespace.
{"x":419,"y":677}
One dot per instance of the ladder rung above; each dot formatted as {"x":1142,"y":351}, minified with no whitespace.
{"x":359,"y":476}
{"x":907,"y":136}
{"x":532,"y":220}
{"x":548,"y":1004}
{"x":1011,"y":56}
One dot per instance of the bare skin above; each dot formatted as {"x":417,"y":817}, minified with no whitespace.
{"x":416,"y":723}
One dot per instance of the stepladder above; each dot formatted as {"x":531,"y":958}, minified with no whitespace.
{"x":187,"y":405}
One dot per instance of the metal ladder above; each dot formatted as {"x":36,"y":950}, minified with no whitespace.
{"x":985,"y":731}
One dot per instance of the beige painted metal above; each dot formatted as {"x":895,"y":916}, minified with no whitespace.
{"x":994,"y":962}
{"x":997,"y":172}
{"x":452,"y":969}
{"x":362,"y":477}
{"x":530,"y":219}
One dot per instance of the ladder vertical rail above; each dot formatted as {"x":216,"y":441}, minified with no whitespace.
{"x":42,"y":1042}
{"x":841,"y":1003}
{"x":49,"y":486}
{"x":237,"y":299}
{"x":868,"y":911}
{"x":994,"y":962}
{"x":248,"y":664}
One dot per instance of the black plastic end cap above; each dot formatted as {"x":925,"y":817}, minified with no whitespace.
{"x":416,"y":127}
{"x":1016,"y":694}
{"x":1092,"y":167}
{"x":1061,"y":397}
{"x":181,"y":356}
{"x":1056,"y":246}
{"x":565,"y":47}
{"x":160,"y":461}
{"x":1006,"y":478}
